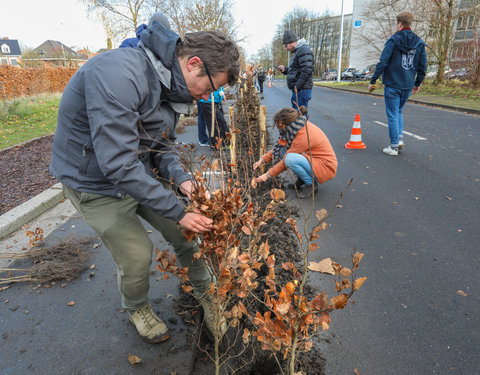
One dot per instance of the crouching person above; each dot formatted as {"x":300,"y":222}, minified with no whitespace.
{"x":116,"y":125}
{"x":292,"y":151}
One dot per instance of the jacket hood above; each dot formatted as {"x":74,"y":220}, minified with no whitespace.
{"x":140,"y":29}
{"x":300,"y":43}
{"x":160,"y":44}
{"x":406,"y":40}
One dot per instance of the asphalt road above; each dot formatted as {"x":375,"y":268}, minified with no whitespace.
{"x":415,"y":217}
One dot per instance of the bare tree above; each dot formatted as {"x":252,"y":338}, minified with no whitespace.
{"x":119,"y":17}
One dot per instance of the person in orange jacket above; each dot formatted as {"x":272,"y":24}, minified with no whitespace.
{"x":291,"y":151}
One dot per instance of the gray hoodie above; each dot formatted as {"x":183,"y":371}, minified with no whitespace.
{"x":117,"y":107}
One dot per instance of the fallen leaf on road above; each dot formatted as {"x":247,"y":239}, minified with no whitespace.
{"x":324,"y":266}
{"x":462,"y":293}
{"x":71,"y":303}
{"x":92,"y":267}
{"x":133,"y":359}
{"x":96,"y":245}
{"x":448,"y":198}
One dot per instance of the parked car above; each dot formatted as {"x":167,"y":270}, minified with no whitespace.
{"x":461,"y":74}
{"x":431,"y":72}
{"x":368,"y":72}
{"x":348,"y":73}
{"x":330,"y":75}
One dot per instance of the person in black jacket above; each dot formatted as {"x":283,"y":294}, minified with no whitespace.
{"x":403,"y":63}
{"x":300,"y":72}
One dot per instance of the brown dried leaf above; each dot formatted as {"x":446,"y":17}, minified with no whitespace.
{"x":187,"y":288}
{"x":345,"y":272}
{"x":321,"y":214}
{"x":462,"y":293}
{"x":324,"y":266}
{"x":246,"y":336}
{"x":277,"y":194}
{"x":71,"y":303}
{"x":339,"y":302}
{"x":357,"y":257}
{"x":215,"y":164}
{"x":313,"y":247}
{"x":358,"y":282}
{"x":133,"y":359}
{"x":254,"y":183}
{"x":246,"y":230}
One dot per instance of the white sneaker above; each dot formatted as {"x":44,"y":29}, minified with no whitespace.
{"x":390,"y":151}
{"x":401,"y":144}
{"x":204,"y":144}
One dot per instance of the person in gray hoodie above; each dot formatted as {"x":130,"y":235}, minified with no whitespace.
{"x":300,"y":72}
{"x":114,"y":154}
{"x":403,"y":64}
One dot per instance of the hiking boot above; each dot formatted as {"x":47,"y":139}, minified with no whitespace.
{"x":306,"y":191}
{"x":297,"y":185}
{"x":209,"y":317}
{"x":401,"y":144}
{"x":393,"y":151}
{"x":150,"y":327}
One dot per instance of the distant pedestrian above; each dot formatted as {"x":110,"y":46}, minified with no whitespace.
{"x":403,"y":63}
{"x":292,"y":151}
{"x":300,"y":72}
{"x":261,"y":76}
{"x":220,"y":125}
{"x":202,"y":129}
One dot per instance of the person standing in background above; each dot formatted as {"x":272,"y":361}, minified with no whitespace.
{"x":403,"y":64}
{"x":260,"y":73}
{"x":220,"y":125}
{"x":300,"y":72}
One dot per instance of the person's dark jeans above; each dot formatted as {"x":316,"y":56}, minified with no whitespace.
{"x":202,"y":126}
{"x":260,"y":83}
{"x":303,"y":97}
{"x":221,"y":126}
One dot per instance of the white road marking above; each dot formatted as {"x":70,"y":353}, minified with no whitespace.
{"x":404,"y":132}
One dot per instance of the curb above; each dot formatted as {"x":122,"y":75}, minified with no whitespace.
{"x":18,"y":216}
{"x":445,"y":106}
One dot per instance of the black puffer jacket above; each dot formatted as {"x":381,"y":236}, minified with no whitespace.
{"x":300,"y":72}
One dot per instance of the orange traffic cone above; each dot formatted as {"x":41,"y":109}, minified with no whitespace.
{"x":356,"y":136}
{"x":269,"y":83}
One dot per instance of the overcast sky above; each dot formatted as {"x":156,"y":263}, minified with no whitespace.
{"x":34,"y":21}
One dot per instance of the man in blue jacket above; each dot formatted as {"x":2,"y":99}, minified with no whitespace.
{"x":300,"y":72}
{"x":403,"y":63}
{"x":114,"y":154}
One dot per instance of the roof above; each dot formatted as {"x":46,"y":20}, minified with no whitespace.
{"x":52,"y":48}
{"x":12,"y":45}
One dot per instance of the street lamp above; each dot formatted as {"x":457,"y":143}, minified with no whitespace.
{"x":340,"y":48}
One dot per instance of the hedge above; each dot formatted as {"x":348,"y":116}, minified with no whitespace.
{"x":20,"y":81}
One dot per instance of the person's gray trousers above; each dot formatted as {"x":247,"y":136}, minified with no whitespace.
{"x":118,"y":224}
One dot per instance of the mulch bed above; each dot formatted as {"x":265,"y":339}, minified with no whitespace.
{"x":24,"y":172}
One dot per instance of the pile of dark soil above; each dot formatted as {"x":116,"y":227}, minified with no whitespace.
{"x":24,"y":172}
{"x":254,"y":360}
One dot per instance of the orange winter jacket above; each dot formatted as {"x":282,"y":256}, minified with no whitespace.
{"x":324,"y":159}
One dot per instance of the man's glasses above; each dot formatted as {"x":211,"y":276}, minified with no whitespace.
{"x":213,"y":89}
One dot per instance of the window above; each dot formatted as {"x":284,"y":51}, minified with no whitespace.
{"x":4,"y":61}
{"x":14,"y":62}
{"x":5,"y":48}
